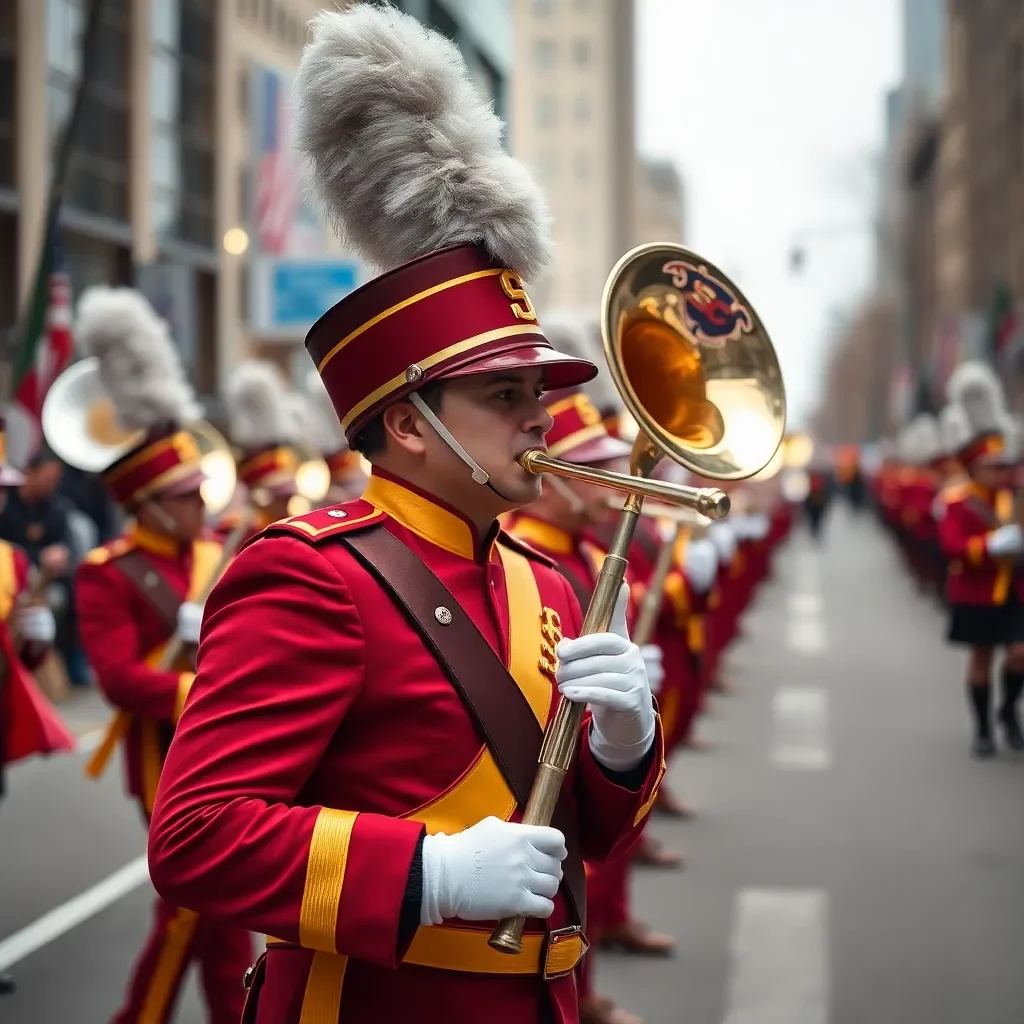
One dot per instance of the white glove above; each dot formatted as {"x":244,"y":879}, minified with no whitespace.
{"x":724,"y":538}
{"x":493,"y":869}
{"x":1006,"y":540}
{"x":760,"y":525}
{"x":607,"y":672}
{"x":700,"y":564}
{"x":37,"y":623}
{"x":651,"y":653}
{"x":190,"y":621}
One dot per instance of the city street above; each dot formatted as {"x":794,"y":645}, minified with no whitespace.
{"x":850,"y":863}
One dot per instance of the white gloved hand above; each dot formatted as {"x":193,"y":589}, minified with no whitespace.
{"x":493,"y":869}
{"x":651,"y":653}
{"x":1006,"y":540}
{"x":700,"y":563}
{"x":190,"y":621}
{"x":37,"y":623}
{"x":724,"y":538}
{"x":607,"y":672}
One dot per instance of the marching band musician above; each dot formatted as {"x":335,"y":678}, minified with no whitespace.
{"x":261,"y":427}
{"x":345,"y":465}
{"x":557,"y":525}
{"x":133,"y":595}
{"x":28,"y":724}
{"x":328,"y":786}
{"x":982,"y":539}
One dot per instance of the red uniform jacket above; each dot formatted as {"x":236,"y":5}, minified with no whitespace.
{"x":321,"y":738}
{"x":28,"y":724}
{"x":920,"y":488}
{"x":124,"y":637}
{"x":975,"y":577}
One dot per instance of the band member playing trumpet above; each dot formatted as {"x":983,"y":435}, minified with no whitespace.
{"x":373,"y":679}
{"x":139,"y":598}
{"x":981,"y":537}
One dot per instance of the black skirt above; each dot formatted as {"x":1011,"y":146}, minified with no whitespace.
{"x":979,"y":625}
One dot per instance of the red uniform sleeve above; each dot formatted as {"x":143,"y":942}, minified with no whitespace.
{"x":280,"y":663}
{"x":114,"y":646}
{"x":611,"y":817}
{"x":963,"y":536}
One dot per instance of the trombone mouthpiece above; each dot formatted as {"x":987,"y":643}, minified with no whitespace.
{"x":713,"y":503}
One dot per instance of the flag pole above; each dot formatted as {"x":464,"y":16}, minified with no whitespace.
{"x":17,"y":339}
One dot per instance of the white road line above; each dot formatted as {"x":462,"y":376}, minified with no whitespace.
{"x":804,"y":605}
{"x":780,"y":964}
{"x":90,"y":740}
{"x":71,"y":914}
{"x":806,"y":635}
{"x":801,"y":729}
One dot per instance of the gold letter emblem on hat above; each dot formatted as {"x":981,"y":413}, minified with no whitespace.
{"x":551,"y":633}
{"x":512,"y":286}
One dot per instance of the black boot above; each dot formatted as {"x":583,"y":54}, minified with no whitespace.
{"x":980,"y":696}
{"x":7,"y":985}
{"x":1013,"y":684}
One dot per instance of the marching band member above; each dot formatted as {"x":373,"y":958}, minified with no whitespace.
{"x":347,"y":477}
{"x":981,"y":537}
{"x":328,"y":786}
{"x":134,"y":595}
{"x":28,"y":724}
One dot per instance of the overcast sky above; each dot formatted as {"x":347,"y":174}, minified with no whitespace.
{"x":773,"y":112}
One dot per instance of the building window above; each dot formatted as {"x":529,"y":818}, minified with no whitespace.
{"x":581,"y":52}
{"x":98,"y":177}
{"x":581,"y":166}
{"x":545,"y":111}
{"x":581,"y":108}
{"x":181,"y":111}
{"x":544,"y":54}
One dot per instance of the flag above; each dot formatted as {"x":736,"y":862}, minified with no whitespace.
{"x":45,"y":349}
{"x":277,"y":176}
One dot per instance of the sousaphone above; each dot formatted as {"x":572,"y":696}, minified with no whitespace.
{"x":79,"y":421}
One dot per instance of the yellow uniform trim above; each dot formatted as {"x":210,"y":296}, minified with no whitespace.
{"x":404,"y":304}
{"x":325,"y":877}
{"x":333,"y":527}
{"x":543,"y":535}
{"x":649,"y":802}
{"x":8,"y":580}
{"x":419,"y":514}
{"x":1004,"y":509}
{"x":976,"y":550}
{"x":321,"y":1001}
{"x":169,"y":965}
{"x":432,"y":360}
{"x":185,"y":681}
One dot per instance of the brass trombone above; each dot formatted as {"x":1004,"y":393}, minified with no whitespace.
{"x":696,"y":369}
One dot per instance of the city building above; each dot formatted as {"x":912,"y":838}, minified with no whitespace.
{"x":184,"y":183}
{"x":572,"y":123}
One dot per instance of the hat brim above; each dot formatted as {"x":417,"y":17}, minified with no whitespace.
{"x":597,"y":449}
{"x":190,"y":483}
{"x":560,"y":370}
{"x":11,"y":477}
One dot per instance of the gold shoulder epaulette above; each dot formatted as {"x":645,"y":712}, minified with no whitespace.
{"x":510,"y":540}
{"x":323,"y":523}
{"x":112,"y":549}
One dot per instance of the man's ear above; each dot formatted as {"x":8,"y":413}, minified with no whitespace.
{"x":404,"y":425}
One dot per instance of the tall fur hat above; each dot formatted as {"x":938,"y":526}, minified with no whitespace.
{"x":325,"y":429}
{"x":257,"y":406}
{"x":954,"y":428}
{"x":578,"y":336}
{"x":976,"y":389}
{"x":926,"y":442}
{"x":407,"y":163}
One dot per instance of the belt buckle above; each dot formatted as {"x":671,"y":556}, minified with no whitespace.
{"x":559,"y":937}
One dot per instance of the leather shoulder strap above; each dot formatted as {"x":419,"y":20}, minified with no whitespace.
{"x":159,"y":594}
{"x":478,"y":675}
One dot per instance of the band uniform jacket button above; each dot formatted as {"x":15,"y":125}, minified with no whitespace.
{"x":443,"y":615}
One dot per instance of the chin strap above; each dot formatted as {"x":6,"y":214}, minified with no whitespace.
{"x":479,"y":473}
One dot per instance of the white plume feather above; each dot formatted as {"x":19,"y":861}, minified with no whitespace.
{"x":575,"y":336}
{"x":954,"y":428}
{"x":257,"y":404}
{"x":975,"y":387}
{"x":326,"y":430}
{"x":406,"y":156}
{"x":139,"y":365}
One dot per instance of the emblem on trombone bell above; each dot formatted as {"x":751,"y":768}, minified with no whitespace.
{"x":713,"y":314}
{"x":550,"y":634}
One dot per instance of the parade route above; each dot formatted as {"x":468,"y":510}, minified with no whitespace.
{"x":850,"y":863}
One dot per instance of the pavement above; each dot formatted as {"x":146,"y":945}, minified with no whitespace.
{"x":850,"y":864}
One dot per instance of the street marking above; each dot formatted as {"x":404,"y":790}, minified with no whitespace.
{"x":779,"y":950}
{"x":90,"y":740}
{"x":71,"y":914}
{"x":806,"y":635}
{"x":805,"y":605}
{"x":801,"y":729}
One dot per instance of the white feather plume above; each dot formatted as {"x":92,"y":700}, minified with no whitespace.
{"x":975,"y":387}
{"x":406,"y":156}
{"x":927,"y":442}
{"x":954,"y":428}
{"x":139,"y":365}
{"x":326,"y":430}
{"x":576,"y":336}
{"x":257,"y":405}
